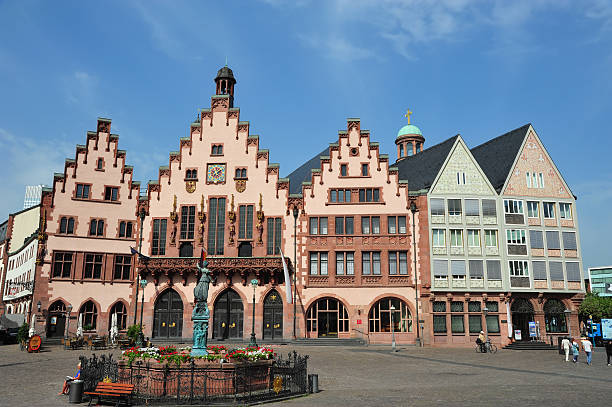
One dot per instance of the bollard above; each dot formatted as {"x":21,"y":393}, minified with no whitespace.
{"x":313,"y":383}
{"x":76,"y":391}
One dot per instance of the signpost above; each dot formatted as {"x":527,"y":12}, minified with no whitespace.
{"x":533,"y":329}
{"x":606,"y":329}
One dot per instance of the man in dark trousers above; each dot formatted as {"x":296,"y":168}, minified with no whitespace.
{"x":609,"y":351}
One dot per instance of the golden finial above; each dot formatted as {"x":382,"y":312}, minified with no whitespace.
{"x":202,"y":204}
{"x":260,"y":202}
{"x":174,"y":204}
{"x":408,"y":113}
{"x":232,"y":204}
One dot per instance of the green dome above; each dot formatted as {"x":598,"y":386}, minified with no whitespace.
{"x":409,"y":129}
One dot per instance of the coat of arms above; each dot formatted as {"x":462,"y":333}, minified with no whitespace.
{"x":240,"y":185}
{"x":190,"y":186}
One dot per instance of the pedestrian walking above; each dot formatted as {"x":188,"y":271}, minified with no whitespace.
{"x":575,"y":351}
{"x":565,"y":345}
{"x":609,"y":351}
{"x":588,"y":349}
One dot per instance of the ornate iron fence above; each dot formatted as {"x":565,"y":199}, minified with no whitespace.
{"x":191,"y":383}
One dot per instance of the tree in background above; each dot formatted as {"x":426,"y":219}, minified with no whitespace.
{"x":598,"y":307}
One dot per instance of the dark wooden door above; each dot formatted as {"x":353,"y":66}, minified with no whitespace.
{"x":56,"y":330}
{"x":228,"y":316}
{"x":168,"y":316}
{"x":273,"y":316}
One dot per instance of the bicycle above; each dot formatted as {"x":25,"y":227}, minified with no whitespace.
{"x":488,"y":348}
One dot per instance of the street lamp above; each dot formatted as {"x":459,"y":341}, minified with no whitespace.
{"x":393,"y":346}
{"x":140,"y":341}
{"x":142,"y":214}
{"x":253,"y":342}
{"x":414,"y":210}
{"x":568,"y":313}
{"x":295,"y":216}
{"x":68,"y":311}
{"x":485,"y":311}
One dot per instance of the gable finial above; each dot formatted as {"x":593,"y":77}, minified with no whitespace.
{"x":408,"y":113}
{"x":226,"y":60}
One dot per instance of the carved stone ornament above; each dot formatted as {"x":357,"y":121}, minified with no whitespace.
{"x":240,"y":185}
{"x":190,"y":186}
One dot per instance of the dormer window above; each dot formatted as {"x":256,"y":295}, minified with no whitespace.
{"x":191,"y":174}
{"x":217,"y":149}
{"x":241,"y":173}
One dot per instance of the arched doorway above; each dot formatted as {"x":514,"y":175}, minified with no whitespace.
{"x":326,"y":318}
{"x":168,"y":315}
{"x":380,"y":316}
{"x":120,"y":309}
{"x":273,"y":316}
{"x":228,"y":316}
{"x":57,"y":320}
{"x":554,"y":316}
{"x":522,"y":314}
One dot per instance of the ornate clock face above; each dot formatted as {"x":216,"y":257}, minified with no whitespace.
{"x":215,"y":173}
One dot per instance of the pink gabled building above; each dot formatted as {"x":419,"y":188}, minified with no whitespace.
{"x":219,"y":193}
{"x":90,"y":225}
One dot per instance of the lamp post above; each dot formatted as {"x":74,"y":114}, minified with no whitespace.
{"x":485,"y":311}
{"x":142,"y":216}
{"x":253,"y":342}
{"x":140,"y":341}
{"x":568,"y":314}
{"x":295,"y":216}
{"x":393,"y":345}
{"x":68,"y":311}
{"x":414,"y":210}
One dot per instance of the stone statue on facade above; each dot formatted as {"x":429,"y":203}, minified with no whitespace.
{"x":201,"y":314}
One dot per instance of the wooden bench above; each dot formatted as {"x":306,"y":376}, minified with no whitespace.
{"x":118,"y":391}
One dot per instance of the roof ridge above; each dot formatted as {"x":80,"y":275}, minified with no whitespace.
{"x":500,"y":136}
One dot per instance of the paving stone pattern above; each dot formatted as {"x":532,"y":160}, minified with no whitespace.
{"x":371,"y":376}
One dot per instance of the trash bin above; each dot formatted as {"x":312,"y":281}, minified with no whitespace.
{"x":76,"y":391}
{"x":313,"y":383}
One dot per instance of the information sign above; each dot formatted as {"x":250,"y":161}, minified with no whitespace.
{"x":517,"y":335}
{"x":606,"y":329}
{"x":533,"y":329}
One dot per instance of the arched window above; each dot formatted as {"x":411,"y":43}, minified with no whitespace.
{"x":554,"y":316}
{"x":380,"y":316}
{"x":90,"y":315}
{"x":121,"y":311}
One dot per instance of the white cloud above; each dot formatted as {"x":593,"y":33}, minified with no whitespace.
{"x":337,"y":48}
{"x":29,"y":162}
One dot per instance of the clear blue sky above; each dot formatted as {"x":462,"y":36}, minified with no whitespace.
{"x":479,"y":68}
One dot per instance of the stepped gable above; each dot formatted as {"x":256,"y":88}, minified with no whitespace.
{"x":304,"y":172}
{"x":103,"y":144}
{"x":420,"y":170}
{"x":497,"y":156}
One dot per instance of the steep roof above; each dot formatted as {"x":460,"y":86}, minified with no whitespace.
{"x":496,"y":156}
{"x":421,"y":169}
{"x":303,"y":172}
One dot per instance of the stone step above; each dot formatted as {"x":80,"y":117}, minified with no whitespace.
{"x":531,"y":345}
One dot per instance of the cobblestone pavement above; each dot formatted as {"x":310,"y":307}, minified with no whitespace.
{"x":371,"y":376}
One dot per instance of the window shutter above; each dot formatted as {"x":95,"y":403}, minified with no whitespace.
{"x":441,"y":268}
{"x":437,"y":206}
{"x":552,"y":240}
{"x":488,"y":207}
{"x":573,"y":271}
{"x":476,"y":268}
{"x":493,"y":270}
{"x":471,"y":207}
{"x":569,"y":241}
{"x":539,"y":270}
{"x":536,"y":239}
{"x":556,"y":270}
{"x":458,"y":267}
